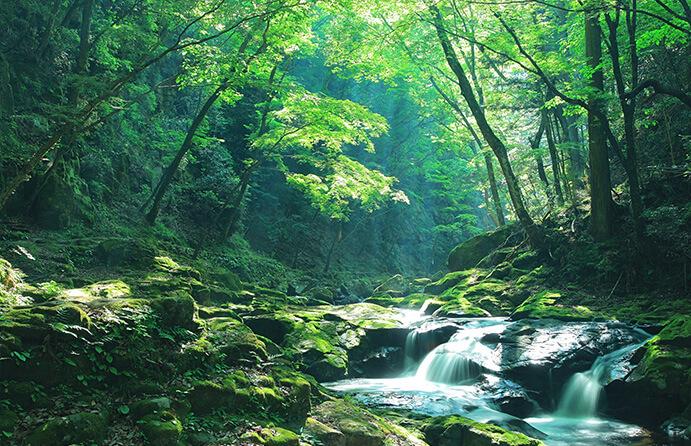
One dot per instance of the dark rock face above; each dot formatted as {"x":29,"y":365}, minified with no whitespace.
{"x":543,"y":355}
{"x":427,"y":335}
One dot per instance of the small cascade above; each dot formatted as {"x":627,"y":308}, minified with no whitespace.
{"x":444,"y":365}
{"x":464,"y":357}
{"x":582,"y":392}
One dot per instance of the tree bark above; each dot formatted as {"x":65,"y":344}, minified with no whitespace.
{"x":167,"y":177}
{"x":492,"y":139}
{"x":601,"y":204}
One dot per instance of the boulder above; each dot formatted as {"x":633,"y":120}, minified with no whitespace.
{"x":660,"y":384}
{"x":83,"y":427}
{"x":470,"y":253}
{"x":360,"y":427}
{"x":455,"y":430}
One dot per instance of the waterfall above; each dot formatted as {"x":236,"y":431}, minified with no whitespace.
{"x":582,"y":392}
{"x":464,"y":357}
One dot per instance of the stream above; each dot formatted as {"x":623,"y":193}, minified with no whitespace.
{"x":544,"y":379}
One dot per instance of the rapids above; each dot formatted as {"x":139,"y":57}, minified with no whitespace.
{"x":470,"y":373}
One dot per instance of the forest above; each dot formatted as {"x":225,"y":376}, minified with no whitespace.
{"x":341,"y":222}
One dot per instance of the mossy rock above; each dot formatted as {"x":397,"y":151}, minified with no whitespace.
{"x":228,"y":279}
{"x":360,"y":427}
{"x":142,"y":408}
{"x":8,"y":420}
{"x":470,"y":253}
{"x":323,"y":434}
{"x":236,"y":340}
{"x":414,"y":301}
{"x":109,"y":289}
{"x":205,"y":396}
{"x":460,"y":307}
{"x":450,"y":280}
{"x":175,"y":311}
{"x":131,"y":253}
{"x":277,"y":436}
{"x":667,"y":361}
{"x":456,"y":430}
{"x":546,"y":305}
{"x":161,"y":429}
{"x":396,"y":285}
{"x":84,"y":427}
{"x":385,"y":300}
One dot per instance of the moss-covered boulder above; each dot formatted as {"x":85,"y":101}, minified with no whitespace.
{"x":161,"y":428}
{"x":456,"y":430}
{"x":360,"y":427}
{"x":396,"y":286}
{"x":451,"y":280}
{"x":468,"y":254}
{"x":83,"y":427}
{"x":547,"y":304}
{"x":323,"y":434}
{"x":660,"y":384}
{"x":8,"y":420}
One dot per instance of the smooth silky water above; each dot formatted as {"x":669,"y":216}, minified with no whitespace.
{"x":458,"y":377}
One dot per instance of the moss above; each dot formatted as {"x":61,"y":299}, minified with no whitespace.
{"x":140,"y":409}
{"x":160,"y":429}
{"x":414,"y":301}
{"x":471,"y":252}
{"x":385,"y":301}
{"x":460,"y":430}
{"x":667,"y":361}
{"x":8,"y":420}
{"x":450,"y":280}
{"x":277,"y":436}
{"x":109,"y":289}
{"x":546,"y":305}
{"x":84,"y":427}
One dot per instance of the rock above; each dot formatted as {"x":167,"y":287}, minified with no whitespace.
{"x":325,"y":435}
{"x":277,"y":436}
{"x":8,"y":420}
{"x":454,"y":430}
{"x":383,"y":362}
{"x":468,"y":254}
{"x":396,"y":286}
{"x":118,"y":253}
{"x":274,"y":327}
{"x":160,"y":429}
{"x":450,"y":280}
{"x":83,"y":427}
{"x":321,"y":294}
{"x":658,"y":387}
{"x":542,"y":355}
{"x":142,"y":408}
{"x":542,"y":306}
{"x":360,"y":427}
{"x":427,"y":335}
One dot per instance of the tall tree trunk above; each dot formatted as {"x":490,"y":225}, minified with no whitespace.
{"x":601,"y":204}
{"x":167,"y":177}
{"x":534,"y":147}
{"x":554,"y":157}
{"x":493,"y":141}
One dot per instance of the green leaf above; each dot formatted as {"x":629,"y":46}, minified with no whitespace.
{"x":124,"y":409}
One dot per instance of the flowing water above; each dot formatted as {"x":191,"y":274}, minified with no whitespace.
{"x":463,"y":376}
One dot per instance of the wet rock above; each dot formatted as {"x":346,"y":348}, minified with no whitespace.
{"x":542,"y":355}
{"x":384,"y":362}
{"x":427,"y":335}
{"x":658,"y":387}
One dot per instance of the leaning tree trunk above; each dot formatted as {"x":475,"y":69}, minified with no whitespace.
{"x":167,"y":177}
{"x":492,"y":139}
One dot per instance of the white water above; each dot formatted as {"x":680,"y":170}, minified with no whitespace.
{"x":464,"y":357}
{"x":457,"y":378}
